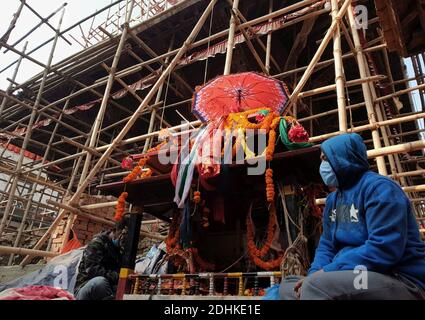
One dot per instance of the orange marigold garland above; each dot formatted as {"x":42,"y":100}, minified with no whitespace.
{"x":120,"y":207}
{"x":253,"y":250}
{"x":269,"y":185}
{"x":146,"y":174}
{"x":267,"y":265}
{"x":136,"y":171}
{"x":197,"y":197}
{"x":256,"y":253}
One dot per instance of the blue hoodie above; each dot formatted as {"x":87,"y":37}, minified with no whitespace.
{"x":368,"y":221}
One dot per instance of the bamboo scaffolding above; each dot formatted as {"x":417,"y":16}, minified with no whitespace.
{"x":34,"y":188}
{"x":129,"y":124}
{"x":66,"y":31}
{"x":309,"y":70}
{"x":366,"y":90}
{"x":158,"y":98}
{"x":28,"y":134}
{"x":249,"y":23}
{"x":42,"y":21}
{"x":332,"y":87}
{"x":137,"y":67}
{"x":107,"y":222}
{"x":106,"y":96}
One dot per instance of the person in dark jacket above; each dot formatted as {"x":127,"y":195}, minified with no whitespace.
{"x":98,"y":272}
{"x":370,"y":247}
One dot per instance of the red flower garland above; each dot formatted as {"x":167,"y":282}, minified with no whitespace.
{"x":298,"y":134}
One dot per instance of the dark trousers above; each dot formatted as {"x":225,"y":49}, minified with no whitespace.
{"x":346,"y":285}
{"x":97,"y":288}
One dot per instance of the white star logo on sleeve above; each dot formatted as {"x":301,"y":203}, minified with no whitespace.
{"x":353,"y":214}
{"x":333,"y":215}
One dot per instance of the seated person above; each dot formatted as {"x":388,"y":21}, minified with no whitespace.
{"x":370,"y":247}
{"x":98,"y":272}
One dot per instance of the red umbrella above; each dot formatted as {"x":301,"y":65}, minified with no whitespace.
{"x":238,"y":93}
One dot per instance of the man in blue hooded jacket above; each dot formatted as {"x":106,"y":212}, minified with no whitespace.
{"x":370,"y":246}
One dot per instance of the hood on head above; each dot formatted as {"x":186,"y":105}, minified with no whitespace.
{"x":347,"y":156}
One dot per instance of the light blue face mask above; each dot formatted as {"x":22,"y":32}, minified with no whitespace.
{"x":328,"y":175}
{"x":116,"y":242}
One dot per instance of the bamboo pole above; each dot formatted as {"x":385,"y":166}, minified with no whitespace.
{"x":418,"y":200}
{"x":27,"y":252}
{"x":366,"y":91}
{"x":332,"y":87}
{"x":99,"y":205}
{"x":106,"y":96}
{"x":370,"y":126}
{"x":79,"y":212}
{"x":12,"y":25}
{"x":400,"y":148}
{"x":269,"y":41}
{"x":339,"y":71}
{"x":409,"y":173}
{"x":417,"y":69}
{"x":130,"y":123}
{"x":28,"y":134}
{"x":15,"y":74}
{"x":231,"y":40}
{"x":419,"y":188}
{"x":384,"y":133}
{"x":401,"y":92}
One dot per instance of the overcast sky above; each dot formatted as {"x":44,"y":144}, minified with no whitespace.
{"x":74,"y":11}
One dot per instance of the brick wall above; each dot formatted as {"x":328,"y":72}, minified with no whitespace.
{"x":85,"y":229}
